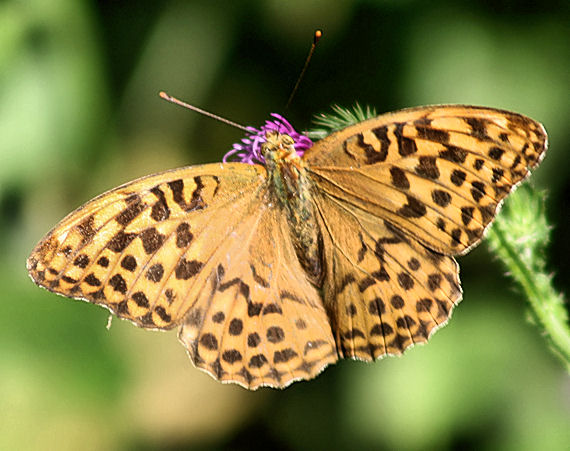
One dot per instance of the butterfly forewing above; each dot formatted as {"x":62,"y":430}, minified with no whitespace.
{"x":135,"y":249}
{"x":438,"y":173}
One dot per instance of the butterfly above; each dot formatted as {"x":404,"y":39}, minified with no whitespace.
{"x":277,"y":266}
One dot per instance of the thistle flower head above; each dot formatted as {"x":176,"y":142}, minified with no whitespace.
{"x":249,"y":149}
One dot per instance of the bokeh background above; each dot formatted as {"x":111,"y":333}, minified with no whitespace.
{"x":79,"y":114}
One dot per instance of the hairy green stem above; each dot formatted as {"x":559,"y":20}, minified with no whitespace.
{"x":518,"y":246}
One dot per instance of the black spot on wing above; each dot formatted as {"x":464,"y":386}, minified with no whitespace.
{"x":453,"y":154}
{"x":406,"y":146}
{"x":413,"y":209}
{"x":135,"y":208}
{"x":399,"y":179}
{"x":432,"y":134}
{"x":160,"y":210}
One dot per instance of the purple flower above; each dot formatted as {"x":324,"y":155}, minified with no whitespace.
{"x":249,"y":149}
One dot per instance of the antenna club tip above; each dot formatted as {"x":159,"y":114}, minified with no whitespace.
{"x":163,"y":95}
{"x":318,"y":35}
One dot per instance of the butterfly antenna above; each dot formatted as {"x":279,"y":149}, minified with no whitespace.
{"x":316,"y":37}
{"x":174,"y":100}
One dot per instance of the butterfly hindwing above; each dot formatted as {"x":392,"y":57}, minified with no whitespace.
{"x":257,"y":320}
{"x":384,"y":290}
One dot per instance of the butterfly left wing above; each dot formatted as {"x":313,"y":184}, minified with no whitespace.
{"x":206,"y":248}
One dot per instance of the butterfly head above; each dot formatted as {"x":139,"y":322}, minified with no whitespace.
{"x":252,"y":147}
{"x":278,"y":147}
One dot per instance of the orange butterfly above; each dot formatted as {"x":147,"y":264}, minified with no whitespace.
{"x":276,"y":266}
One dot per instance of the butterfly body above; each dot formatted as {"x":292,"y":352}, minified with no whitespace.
{"x":274,"y":271}
{"x":288,"y":179}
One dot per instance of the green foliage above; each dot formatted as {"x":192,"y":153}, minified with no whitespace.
{"x":340,"y":118}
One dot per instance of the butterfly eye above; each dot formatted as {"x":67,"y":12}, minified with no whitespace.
{"x":286,"y":140}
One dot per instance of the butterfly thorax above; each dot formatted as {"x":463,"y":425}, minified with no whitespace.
{"x":292,"y":187}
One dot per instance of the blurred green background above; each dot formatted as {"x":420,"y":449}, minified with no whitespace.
{"x":79,"y":114}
